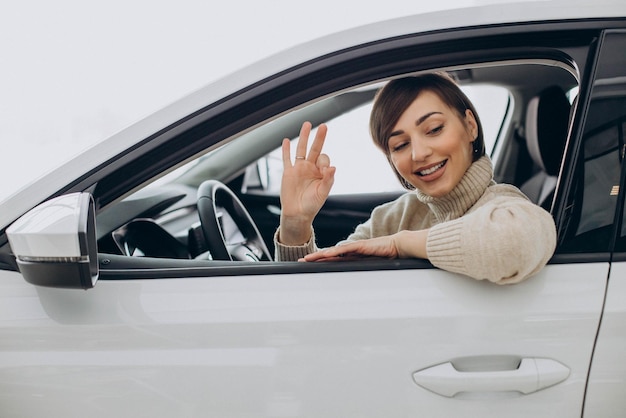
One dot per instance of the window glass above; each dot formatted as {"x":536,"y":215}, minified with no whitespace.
{"x":621,"y":245}
{"x":597,"y":179}
{"x":601,"y":167}
{"x":363,"y":168}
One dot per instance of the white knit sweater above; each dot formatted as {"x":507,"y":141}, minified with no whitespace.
{"x":480,"y":229}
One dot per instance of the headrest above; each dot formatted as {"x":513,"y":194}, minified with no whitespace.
{"x":547,"y":122}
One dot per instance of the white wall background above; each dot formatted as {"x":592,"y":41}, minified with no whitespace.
{"x":74,"y":72}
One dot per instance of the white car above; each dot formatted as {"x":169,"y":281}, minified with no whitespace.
{"x":185,"y":314}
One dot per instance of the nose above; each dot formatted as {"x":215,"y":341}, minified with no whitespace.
{"x":420,"y":150}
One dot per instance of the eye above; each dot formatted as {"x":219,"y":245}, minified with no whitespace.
{"x":399,"y":146}
{"x":436,"y":130}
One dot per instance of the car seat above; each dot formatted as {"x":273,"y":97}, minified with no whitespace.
{"x":547,"y":123}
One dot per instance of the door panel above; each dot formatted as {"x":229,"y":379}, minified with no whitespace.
{"x":603,"y":174}
{"x":607,"y":379}
{"x":308,"y":345}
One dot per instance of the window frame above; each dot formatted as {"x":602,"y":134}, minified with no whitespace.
{"x":498,"y":53}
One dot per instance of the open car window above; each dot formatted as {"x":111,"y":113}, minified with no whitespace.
{"x":250,"y":164}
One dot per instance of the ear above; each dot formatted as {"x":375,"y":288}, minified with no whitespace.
{"x":472,"y":125}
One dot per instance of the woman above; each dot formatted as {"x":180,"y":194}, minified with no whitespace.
{"x":456,"y":216}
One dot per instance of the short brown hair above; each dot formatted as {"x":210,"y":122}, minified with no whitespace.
{"x":397,"y":95}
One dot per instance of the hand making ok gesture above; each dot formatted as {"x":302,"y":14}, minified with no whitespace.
{"x":305,"y":186}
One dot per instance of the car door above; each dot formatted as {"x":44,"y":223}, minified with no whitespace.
{"x":606,"y":124}
{"x":371,"y":343}
{"x":365,"y":338}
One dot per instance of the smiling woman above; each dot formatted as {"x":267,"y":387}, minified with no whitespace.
{"x":432,"y":136}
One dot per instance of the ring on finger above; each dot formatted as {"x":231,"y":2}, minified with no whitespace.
{"x":300,"y":158}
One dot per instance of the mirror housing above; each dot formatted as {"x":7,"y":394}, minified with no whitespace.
{"x":55,"y":243}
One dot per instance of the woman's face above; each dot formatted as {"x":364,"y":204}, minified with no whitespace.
{"x":431,"y":146}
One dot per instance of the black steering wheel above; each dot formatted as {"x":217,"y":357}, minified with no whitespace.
{"x":230,"y":232}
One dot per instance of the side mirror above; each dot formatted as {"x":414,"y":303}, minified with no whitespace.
{"x":55,"y":243}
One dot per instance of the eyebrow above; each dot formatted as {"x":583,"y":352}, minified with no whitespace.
{"x":419,"y":121}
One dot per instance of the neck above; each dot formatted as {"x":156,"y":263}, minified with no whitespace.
{"x":464,"y":195}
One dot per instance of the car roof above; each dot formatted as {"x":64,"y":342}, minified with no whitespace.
{"x":486,"y":15}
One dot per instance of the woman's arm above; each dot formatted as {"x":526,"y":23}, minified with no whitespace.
{"x":505,"y":241}
{"x":403,"y":244}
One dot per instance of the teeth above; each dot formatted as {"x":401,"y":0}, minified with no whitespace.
{"x":431,"y":169}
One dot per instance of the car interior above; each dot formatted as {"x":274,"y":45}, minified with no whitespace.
{"x":215,"y":209}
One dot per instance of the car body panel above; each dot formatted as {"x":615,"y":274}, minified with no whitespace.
{"x":305,"y":345}
{"x":607,"y":377}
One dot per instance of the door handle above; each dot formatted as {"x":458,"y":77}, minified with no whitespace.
{"x":532,"y":375}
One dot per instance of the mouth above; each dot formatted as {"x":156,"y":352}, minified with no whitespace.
{"x":430,"y":170}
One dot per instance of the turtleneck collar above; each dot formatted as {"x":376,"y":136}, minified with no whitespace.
{"x":471,"y":187}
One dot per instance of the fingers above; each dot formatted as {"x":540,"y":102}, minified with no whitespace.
{"x":328,"y":179}
{"x":286,"y":153}
{"x":318,"y":143}
{"x":373,"y":247}
{"x":320,"y":258}
{"x":301,"y":148}
{"x":322,"y":161}
{"x":342,"y":258}
{"x":316,"y":148}
{"x":329,"y":254}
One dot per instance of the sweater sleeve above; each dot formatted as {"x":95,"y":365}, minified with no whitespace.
{"x":505,"y":240}
{"x":293,"y":253}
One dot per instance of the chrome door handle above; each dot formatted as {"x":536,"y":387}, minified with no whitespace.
{"x":532,"y":375}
